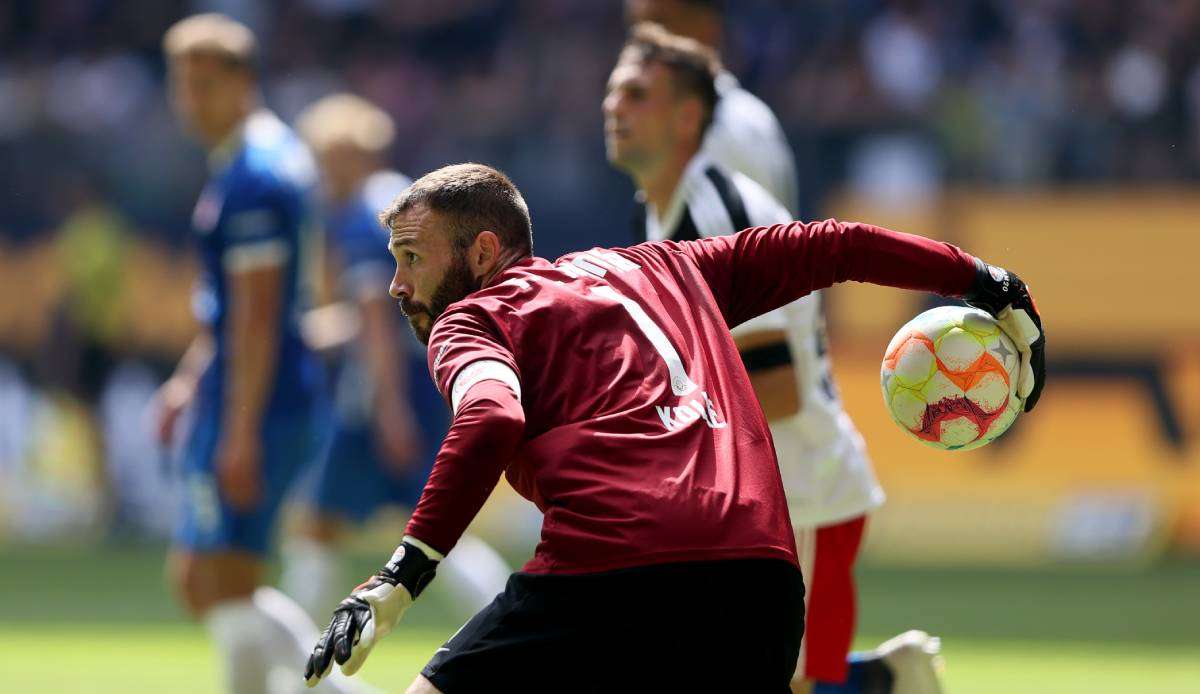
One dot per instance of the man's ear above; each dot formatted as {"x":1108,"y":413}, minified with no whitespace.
{"x":690,"y":117}
{"x":484,"y":253}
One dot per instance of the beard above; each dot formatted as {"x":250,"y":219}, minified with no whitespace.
{"x":455,"y":286}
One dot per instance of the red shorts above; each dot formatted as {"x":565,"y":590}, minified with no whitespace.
{"x":827,"y":554}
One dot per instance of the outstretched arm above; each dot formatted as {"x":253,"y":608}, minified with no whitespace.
{"x":760,"y":269}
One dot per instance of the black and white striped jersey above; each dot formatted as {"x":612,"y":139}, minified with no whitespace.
{"x":746,"y":136}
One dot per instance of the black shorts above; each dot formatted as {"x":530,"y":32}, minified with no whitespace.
{"x":731,"y":626}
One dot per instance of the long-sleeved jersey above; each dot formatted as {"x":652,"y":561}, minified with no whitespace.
{"x":607,"y":387}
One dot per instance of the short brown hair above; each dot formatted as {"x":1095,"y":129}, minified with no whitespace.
{"x":693,"y":65}
{"x":476,"y":197}
{"x":212,"y":34}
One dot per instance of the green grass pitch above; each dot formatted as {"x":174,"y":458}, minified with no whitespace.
{"x":100,"y":621}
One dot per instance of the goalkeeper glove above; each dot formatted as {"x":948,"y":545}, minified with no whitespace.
{"x":372,"y":610}
{"x":1007,"y":298}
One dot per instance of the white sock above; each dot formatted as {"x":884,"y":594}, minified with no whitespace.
{"x":474,"y":574}
{"x":239,"y":630}
{"x":312,"y":575}
{"x":291,"y":636}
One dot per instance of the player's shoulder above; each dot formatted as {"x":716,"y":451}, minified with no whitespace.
{"x":537,"y":291}
{"x":360,"y":216}
{"x":273,"y":159}
{"x":487,"y":318}
{"x":381,"y":188}
{"x":649,"y":258}
{"x":598,"y":261}
{"x":706,"y":185}
{"x":723,"y":201}
{"x":503,"y":302}
{"x":739,"y":109}
{"x":762,"y":208}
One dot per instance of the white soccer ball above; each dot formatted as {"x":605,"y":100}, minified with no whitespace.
{"x":949,"y":378}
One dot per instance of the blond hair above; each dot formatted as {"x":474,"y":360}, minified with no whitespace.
{"x":212,"y":34}
{"x":345,"y":119}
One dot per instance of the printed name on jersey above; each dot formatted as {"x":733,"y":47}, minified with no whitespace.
{"x":672,"y":417}
{"x":680,"y":416}
{"x":594,"y":264}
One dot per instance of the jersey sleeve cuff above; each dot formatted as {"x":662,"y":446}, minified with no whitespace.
{"x":429,"y":551}
{"x":252,"y":256}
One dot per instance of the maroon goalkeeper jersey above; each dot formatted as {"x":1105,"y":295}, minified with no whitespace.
{"x":643,"y":441}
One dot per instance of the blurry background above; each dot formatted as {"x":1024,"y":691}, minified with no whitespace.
{"x":1060,"y":138}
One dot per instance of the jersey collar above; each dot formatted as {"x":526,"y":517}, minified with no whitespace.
{"x":503,"y":275}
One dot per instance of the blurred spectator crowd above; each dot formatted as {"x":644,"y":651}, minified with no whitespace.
{"x":894,"y":98}
{"x":1017,"y":92}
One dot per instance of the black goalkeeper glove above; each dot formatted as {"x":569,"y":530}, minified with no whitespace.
{"x":372,"y":610}
{"x":1007,"y":298}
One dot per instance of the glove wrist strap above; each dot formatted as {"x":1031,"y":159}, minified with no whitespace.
{"x":992,"y":289}
{"x":413,"y":566}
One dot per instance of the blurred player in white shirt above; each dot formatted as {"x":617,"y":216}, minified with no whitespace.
{"x":690,"y":187}
{"x":744,"y":136}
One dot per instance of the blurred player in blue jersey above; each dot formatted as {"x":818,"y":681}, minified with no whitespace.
{"x":390,"y":418}
{"x":254,"y":388}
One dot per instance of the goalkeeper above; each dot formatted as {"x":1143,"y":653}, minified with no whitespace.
{"x":607,"y":388}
